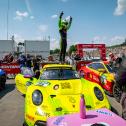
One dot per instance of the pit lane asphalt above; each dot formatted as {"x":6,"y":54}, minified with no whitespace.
{"x":12,"y":106}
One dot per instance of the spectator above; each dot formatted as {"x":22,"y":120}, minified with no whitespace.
{"x":28,"y":61}
{"x":22,"y":61}
{"x":121,"y":82}
{"x":36,"y":64}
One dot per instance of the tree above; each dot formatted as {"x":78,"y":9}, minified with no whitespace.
{"x":72,"y":49}
{"x":57,"y":51}
{"x":51,"y":51}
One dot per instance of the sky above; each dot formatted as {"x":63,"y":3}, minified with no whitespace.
{"x":94,"y":21}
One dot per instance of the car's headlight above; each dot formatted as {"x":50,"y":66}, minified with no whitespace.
{"x":37,"y":97}
{"x":103,"y":79}
{"x":28,"y":83}
{"x":98,"y":94}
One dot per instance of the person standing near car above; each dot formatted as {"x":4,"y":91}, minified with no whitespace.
{"x":121,"y":83}
{"x":36,"y":64}
{"x":64,"y":25}
{"x":28,"y":61}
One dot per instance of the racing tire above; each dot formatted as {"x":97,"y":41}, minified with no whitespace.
{"x":2,"y":81}
{"x":25,"y":124}
{"x":3,"y":85}
{"x":117,"y":92}
{"x":108,"y":93}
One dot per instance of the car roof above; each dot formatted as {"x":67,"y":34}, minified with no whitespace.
{"x":57,"y":65}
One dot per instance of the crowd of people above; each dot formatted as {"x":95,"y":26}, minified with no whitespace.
{"x":27,"y":61}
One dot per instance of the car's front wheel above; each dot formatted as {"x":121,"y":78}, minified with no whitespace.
{"x":2,"y":81}
{"x":108,"y":93}
{"x":117,"y":92}
{"x":25,"y":124}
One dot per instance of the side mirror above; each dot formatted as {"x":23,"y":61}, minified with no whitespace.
{"x":27,"y":76}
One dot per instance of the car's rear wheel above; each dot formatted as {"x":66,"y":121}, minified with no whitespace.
{"x":117,"y":92}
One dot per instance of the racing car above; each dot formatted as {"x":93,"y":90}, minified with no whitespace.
{"x":101,"y":73}
{"x":2,"y":79}
{"x":57,"y":92}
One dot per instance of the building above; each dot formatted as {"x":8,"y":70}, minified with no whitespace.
{"x":37,"y":47}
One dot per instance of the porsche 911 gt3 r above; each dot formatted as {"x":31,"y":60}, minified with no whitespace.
{"x":100,"y":73}
{"x":57,"y":92}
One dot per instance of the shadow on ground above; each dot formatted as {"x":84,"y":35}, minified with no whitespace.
{"x":8,"y":88}
{"x":115,"y":111}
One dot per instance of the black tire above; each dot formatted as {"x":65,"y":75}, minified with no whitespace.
{"x":2,"y":81}
{"x":3,"y":85}
{"x":108,"y":93}
{"x":25,"y":124}
{"x":117,"y":92}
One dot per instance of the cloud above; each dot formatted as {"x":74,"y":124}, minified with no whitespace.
{"x":28,"y":6}
{"x":99,"y":39}
{"x":43,"y":28}
{"x":117,"y":40}
{"x":18,"y":38}
{"x":121,"y":8}
{"x":32,"y":17}
{"x":54,"y":16}
{"x":20,"y":15}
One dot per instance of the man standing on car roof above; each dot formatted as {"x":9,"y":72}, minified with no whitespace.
{"x":64,"y":25}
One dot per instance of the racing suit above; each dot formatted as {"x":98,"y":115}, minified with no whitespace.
{"x":63,"y":27}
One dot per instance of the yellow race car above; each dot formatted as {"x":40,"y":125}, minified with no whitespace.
{"x":57,"y":92}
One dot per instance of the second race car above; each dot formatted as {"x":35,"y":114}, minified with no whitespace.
{"x":101,"y":73}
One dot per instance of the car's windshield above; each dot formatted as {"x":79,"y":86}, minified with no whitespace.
{"x":96,"y":66}
{"x":59,"y":74}
{"x":109,"y":68}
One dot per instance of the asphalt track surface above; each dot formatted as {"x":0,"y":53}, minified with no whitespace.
{"x":12,"y":106}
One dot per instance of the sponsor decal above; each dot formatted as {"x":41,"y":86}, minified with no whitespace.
{"x":95,"y":78}
{"x":72,"y":99}
{"x":43,"y":83}
{"x":44,"y":106}
{"x":39,"y":112}
{"x":105,"y":113}
{"x":65,"y":85}
{"x":29,"y":117}
{"x":11,"y":66}
{"x":58,"y":121}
